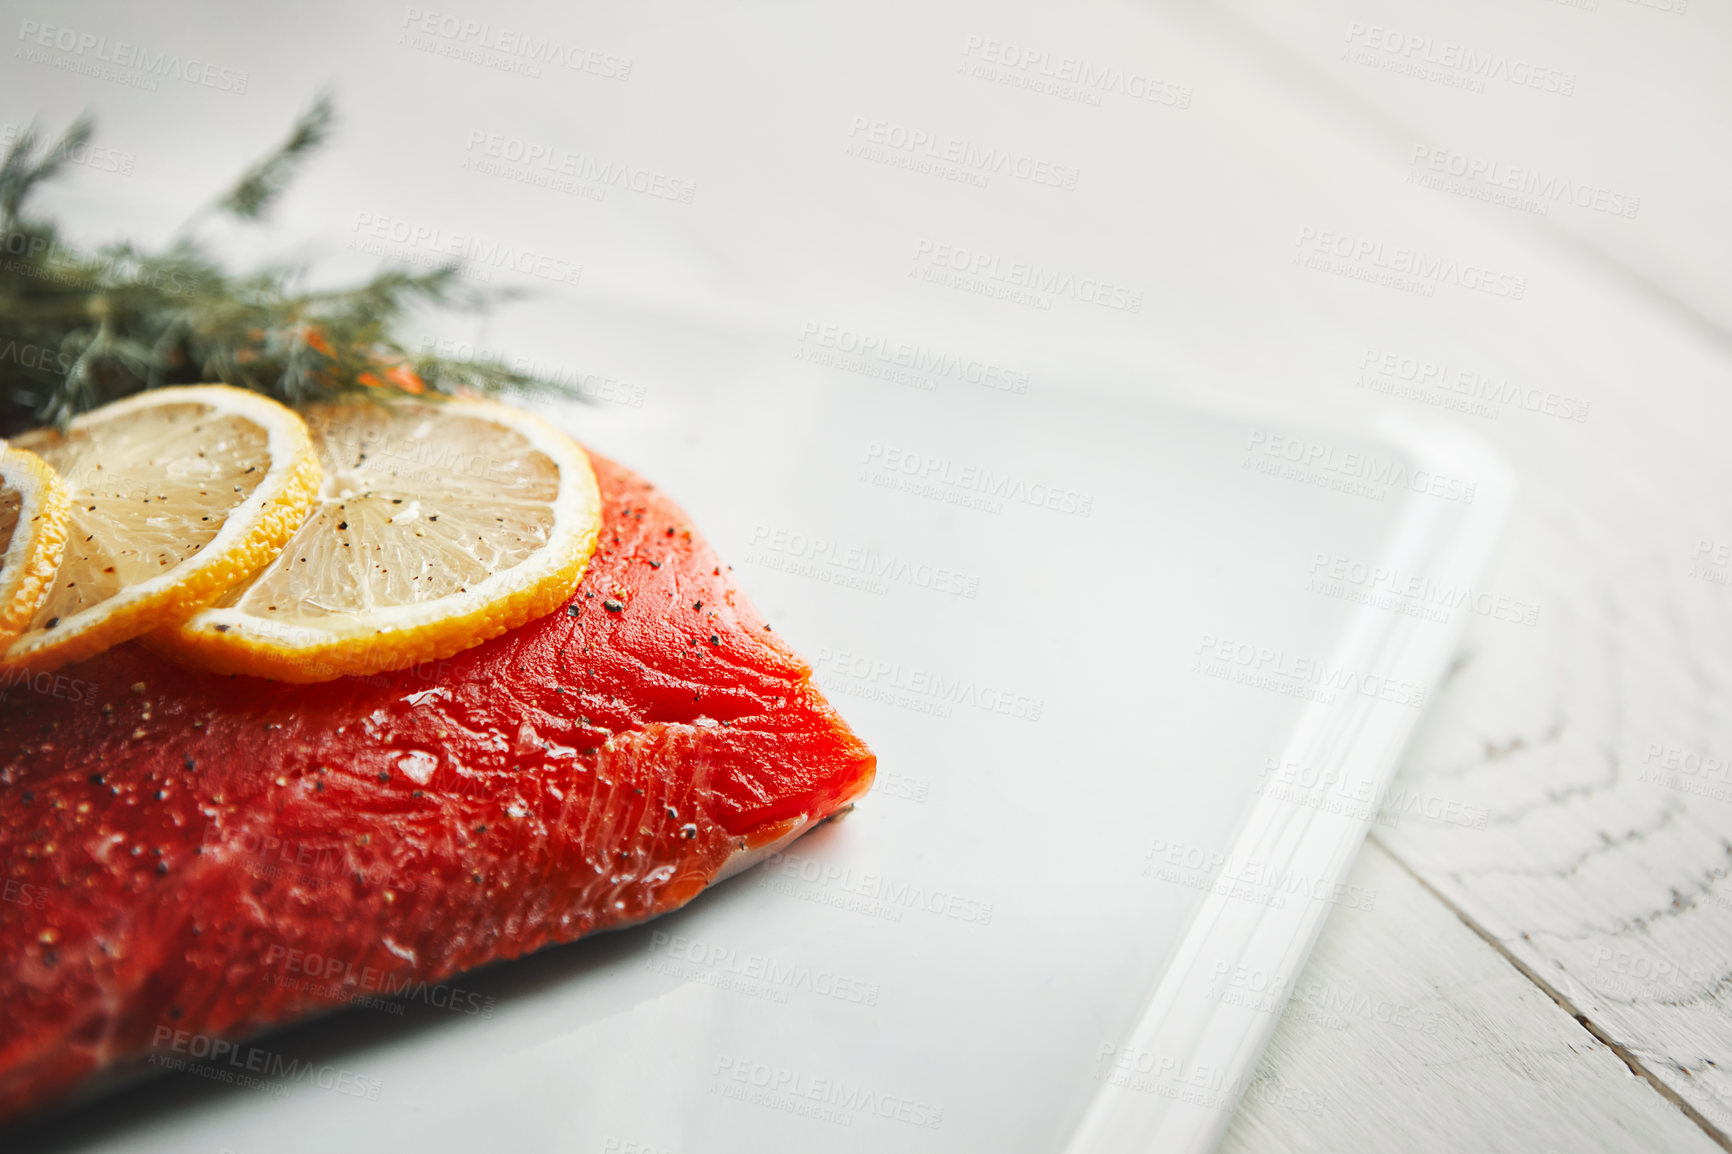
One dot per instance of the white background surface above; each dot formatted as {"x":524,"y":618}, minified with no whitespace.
{"x":1595,"y":878}
{"x":965,"y":961}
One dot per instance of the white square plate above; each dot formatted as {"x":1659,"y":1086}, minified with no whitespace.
{"x":1137,"y":674}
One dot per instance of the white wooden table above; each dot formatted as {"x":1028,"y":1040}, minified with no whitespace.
{"x":1511,"y":212}
{"x":1549,"y":972}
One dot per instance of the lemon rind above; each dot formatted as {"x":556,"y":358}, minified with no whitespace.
{"x":252,"y":533}
{"x":38,"y":543}
{"x":227,"y":639}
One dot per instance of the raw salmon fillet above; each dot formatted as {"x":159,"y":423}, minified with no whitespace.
{"x":169,"y":837}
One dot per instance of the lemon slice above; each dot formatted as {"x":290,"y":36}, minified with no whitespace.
{"x":439,"y":524}
{"x":176,"y":494}
{"x":33,"y":512}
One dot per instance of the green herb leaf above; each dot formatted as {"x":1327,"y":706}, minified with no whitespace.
{"x":80,"y":328}
{"x":265,"y":181}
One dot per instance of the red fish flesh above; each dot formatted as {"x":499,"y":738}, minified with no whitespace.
{"x":170,"y":837}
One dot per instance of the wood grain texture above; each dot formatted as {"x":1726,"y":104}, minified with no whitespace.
{"x":1601,"y":868}
{"x":1562,"y":831}
{"x":1406,"y":1031}
{"x":1593,"y":750}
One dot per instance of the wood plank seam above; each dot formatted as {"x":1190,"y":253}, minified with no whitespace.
{"x":1629,"y":1059}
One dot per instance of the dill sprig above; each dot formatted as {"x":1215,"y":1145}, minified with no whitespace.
{"x":80,"y":328}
